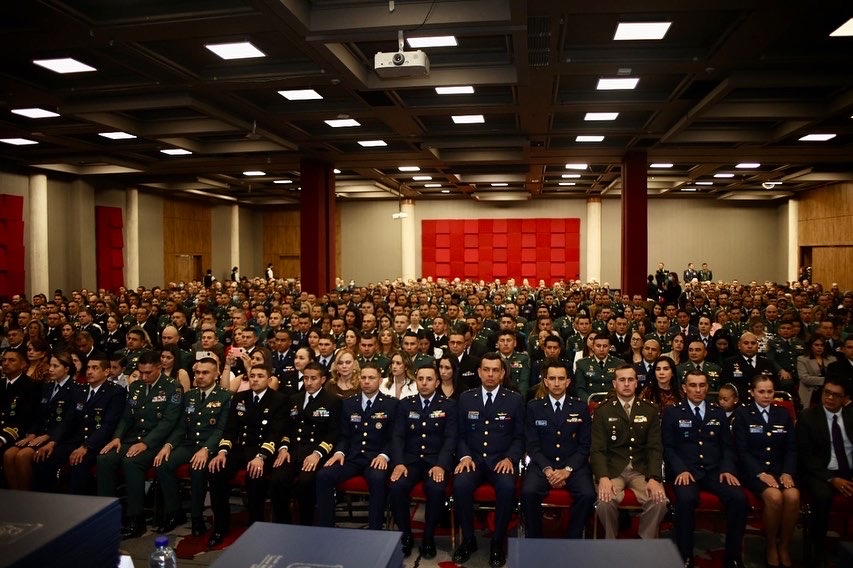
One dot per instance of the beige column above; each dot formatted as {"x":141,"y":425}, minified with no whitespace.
{"x":593,"y":239}
{"x":131,"y":239}
{"x":36,"y":222}
{"x":793,"y":239}
{"x":235,"y":238}
{"x":407,"y":237}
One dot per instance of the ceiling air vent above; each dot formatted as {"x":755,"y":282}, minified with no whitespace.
{"x":539,"y":42}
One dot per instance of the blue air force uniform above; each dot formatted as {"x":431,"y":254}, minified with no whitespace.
{"x":488,"y":434}
{"x":764,"y":446}
{"x":558,"y":441}
{"x":422,"y":439}
{"x":364,"y":435}
{"x":703,"y":447}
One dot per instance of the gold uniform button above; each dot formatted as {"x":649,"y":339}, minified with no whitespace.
{"x":487,"y":422}
{"x":701,"y":456}
{"x":486,"y":433}
{"x":485,"y":454}
{"x":558,"y":433}
{"x":423,"y":435}
{"x":558,"y":445}
{"x":557,"y":458}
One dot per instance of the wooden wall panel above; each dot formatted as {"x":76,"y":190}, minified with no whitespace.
{"x":833,"y":264}
{"x":281,"y":241}
{"x":826,"y":225}
{"x":186,"y":232}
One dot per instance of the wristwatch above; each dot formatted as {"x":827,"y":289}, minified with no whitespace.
{"x":569,"y":468}
{"x":261,"y":457}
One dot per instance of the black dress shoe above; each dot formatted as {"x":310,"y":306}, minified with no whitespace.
{"x":408,"y":543}
{"x":171,"y":522}
{"x":464,"y":551}
{"x":216,"y":538}
{"x":428,"y":549}
{"x":497,"y":556}
{"x":134,"y":528}
{"x":199,"y":527}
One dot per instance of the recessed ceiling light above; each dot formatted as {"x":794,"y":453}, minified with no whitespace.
{"x":445,"y":191}
{"x":817,"y":137}
{"x":409,"y":168}
{"x":432,"y":185}
{"x":342,"y":122}
{"x":34,"y":112}
{"x":748,"y":165}
{"x":567,"y":183}
{"x":461,"y":90}
{"x":641,"y":30}
{"x":337,"y":171}
{"x":17,"y":141}
{"x":422,"y":178}
{"x":589,"y":139}
{"x":601,"y":116}
{"x":301,"y":95}
{"x":617,"y":83}
{"x":570,"y":176}
{"x":689,"y":189}
{"x":576,"y":166}
{"x":64,"y":65}
{"x":433,"y":41}
{"x":846,"y":29}
{"x":284,"y":180}
{"x":660,"y":165}
{"x":468,"y":119}
{"x":176,"y":152}
{"x":117,"y":135}
{"x":724,"y":175}
{"x":500,"y":184}
{"x":254,"y":173}
{"x":372,"y":143}
{"x":235,"y":50}
{"x":704,"y":183}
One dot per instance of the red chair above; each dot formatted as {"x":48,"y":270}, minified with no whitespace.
{"x":786,"y":401}
{"x":355,"y":486}
{"x":484,"y":500}
{"x":419,"y":496}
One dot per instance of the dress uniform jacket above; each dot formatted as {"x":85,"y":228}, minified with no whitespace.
{"x":701,"y":448}
{"x":18,"y":407}
{"x":665,"y":340}
{"x":711,"y":370}
{"x":518,"y":372}
{"x":590,"y":378}
{"x":558,"y":441}
{"x":365,"y":437}
{"x":782,"y":354}
{"x":468,"y":377}
{"x":55,"y":416}
{"x":380,"y":360}
{"x":112,"y":341}
{"x":618,"y":439}
{"x":764,"y":447}
{"x":422,"y":360}
{"x":255,"y":426}
{"x":314,"y":428}
{"x":150,"y":418}
{"x":488,"y":436}
{"x":430,"y":436}
{"x":202,"y":423}
{"x":736,"y":370}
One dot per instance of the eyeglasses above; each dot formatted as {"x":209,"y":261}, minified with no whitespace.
{"x":832,"y":394}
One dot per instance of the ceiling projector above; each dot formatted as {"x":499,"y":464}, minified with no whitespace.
{"x":401,"y":64}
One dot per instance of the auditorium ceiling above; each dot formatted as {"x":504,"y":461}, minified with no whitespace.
{"x":737,"y":99}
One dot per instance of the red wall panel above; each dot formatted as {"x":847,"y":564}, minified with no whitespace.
{"x":109,"y":247}
{"x":12,"y":255}
{"x":485,"y":249}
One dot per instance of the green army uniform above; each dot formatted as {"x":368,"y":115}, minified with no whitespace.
{"x":711,"y":370}
{"x":518,"y":377}
{"x":564,"y":325}
{"x":201,"y":426}
{"x":131,"y":357}
{"x":665,"y":341}
{"x":782,"y":354}
{"x":380,"y":360}
{"x":735,"y":329}
{"x":486,"y":338}
{"x":591,"y":377}
{"x":599,"y":327}
{"x":574,"y":344}
{"x":422,"y":360}
{"x":148,"y":418}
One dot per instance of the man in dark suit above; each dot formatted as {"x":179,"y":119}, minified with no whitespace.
{"x":468,"y":364}
{"x":256,"y":422}
{"x":843,"y":366}
{"x":682,"y":324}
{"x":363,"y":448}
{"x":19,"y":399}
{"x":740,"y":368}
{"x":627,"y":451}
{"x":620,"y":339}
{"x":193,"y":441}
{"x":557,"y":437}
{"x":438,"y":338}
{"x":98,"y":409}
{"x":491,"y":443}
{"x":422,"y":446}
{"x":152,"y":412}
{"x":824,"y":437}
{"x":311,"y":433}
{"x":699,"y":455}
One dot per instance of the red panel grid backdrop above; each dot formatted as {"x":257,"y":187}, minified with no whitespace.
{"x":109,"y":245}
{"x":11,"y":245}
{"x":485,"y":249}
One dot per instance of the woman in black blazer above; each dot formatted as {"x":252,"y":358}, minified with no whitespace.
{"x":766,"y":445}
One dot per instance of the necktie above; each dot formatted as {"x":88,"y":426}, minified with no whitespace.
{"x":601,"y":366}
{"x":426,"y":406}
{"x":55,"y":390}
{"x":698,"y":414}
{"x":766,"y":415}
{"x":699,"y":367}
{"x":557,"y":408}
{"x":257,"y":399}
{"x":751,"y":362}
{"x":838,"y":448}
{"x":627,"y":407}
{"x":488,"y":400}
{"x":307,"y":401}
{"x":91,"y":394}
{"x":147,"y":390}
{"x":367,"y":406}
{"x":203,"y":396}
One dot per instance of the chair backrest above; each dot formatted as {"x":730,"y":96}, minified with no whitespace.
{"x":594,"y":400}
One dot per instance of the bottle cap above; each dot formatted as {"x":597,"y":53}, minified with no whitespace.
{"x":161,"y":541}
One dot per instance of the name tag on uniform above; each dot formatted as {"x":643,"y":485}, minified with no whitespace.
{"x":541,"y":422}
{"x":641,"y":418}
{"x":685,"y":423}
{"x":573,"y":419}
{"x":756,"y":429}
{"x":414,"y":415}
{"x":612,"y":419}
{"x":473,"y":415}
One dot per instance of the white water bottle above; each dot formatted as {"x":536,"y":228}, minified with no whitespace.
{"x":163,"y":555}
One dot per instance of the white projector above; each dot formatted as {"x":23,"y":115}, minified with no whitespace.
{"x":401,"y":64}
